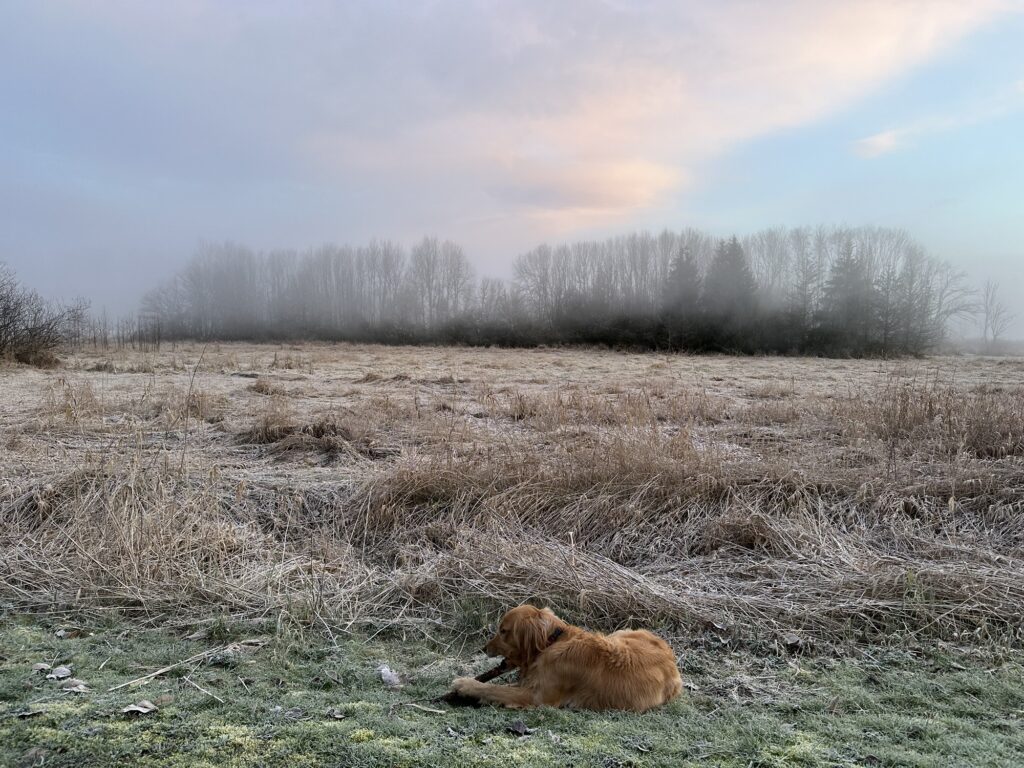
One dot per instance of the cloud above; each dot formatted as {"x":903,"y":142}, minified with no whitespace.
{"x":644,"y":95}
{"x":879,"y":144}
{"x":1005,"y":101}
{"x":602,"y":188}
{"x":489,"y":122}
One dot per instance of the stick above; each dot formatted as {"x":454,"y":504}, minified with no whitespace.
{"x":146,"y":678}
{"x":455,"y":699}
{"x":196,"y":685}
{"x":188,"y":398}
{"x":420,"y":707}
{"x":191,"y":659}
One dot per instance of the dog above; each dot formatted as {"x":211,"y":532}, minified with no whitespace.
{"x":565,"y":666}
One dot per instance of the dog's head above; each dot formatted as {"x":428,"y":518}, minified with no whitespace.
{"x":522,"y":634}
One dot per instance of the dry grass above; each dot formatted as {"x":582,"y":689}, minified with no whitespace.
{"x":843,"y":500}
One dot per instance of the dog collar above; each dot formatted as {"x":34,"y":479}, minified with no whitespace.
{"x":553,"y":637}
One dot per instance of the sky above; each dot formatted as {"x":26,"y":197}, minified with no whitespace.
{"x":132,"y":131}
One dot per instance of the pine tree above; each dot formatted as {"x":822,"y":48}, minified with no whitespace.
{"x":681,"y":296}
{"x":730,"y":289}
{"x":851,"y":300}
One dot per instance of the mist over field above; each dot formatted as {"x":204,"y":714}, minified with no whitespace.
{"x":341,"y":340}
{"x":137,"y":134}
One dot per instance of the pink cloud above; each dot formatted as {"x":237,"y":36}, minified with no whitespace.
{"x":642,"y":117}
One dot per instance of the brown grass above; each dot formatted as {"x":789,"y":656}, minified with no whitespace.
{"x":692,"y":493}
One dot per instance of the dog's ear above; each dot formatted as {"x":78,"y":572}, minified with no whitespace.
{"x":531,"y":633}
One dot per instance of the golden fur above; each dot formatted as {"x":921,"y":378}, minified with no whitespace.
{"x":631,"y":669}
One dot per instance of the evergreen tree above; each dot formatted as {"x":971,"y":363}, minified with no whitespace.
{"x":851,"y":301}
{"x":681,"y":296}
{"x":680,"y":301}
{"x":730,"y":290}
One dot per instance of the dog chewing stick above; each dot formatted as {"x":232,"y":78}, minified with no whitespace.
{"x":456,"y":699}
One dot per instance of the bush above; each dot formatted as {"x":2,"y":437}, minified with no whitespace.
{"x":31,"y":328}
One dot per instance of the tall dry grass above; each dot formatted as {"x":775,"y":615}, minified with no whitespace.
{"x":872,"y":515}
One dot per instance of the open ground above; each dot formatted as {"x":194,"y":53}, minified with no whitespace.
{"x":802,"y":530}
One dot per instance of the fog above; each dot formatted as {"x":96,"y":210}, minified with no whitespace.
{"x":135,"y":135}
{"x":835,"y":291}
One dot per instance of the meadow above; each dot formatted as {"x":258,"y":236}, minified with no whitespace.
{"x":833,"y":547}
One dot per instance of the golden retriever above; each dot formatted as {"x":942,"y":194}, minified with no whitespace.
{"x":565,"y":666}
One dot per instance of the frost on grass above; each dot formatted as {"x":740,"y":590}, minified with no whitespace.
{"x":833,"y":500}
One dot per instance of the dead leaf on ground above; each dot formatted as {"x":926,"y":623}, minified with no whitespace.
{"x":34,"y":756}
{"x":70,"y":633}
{"x":143,"y":707}
{"x":794,"y":643}
{"x":59,"y":673}
{"x":390,"y":678}
{"x":791,"y":638}
{"x":519,"y":728}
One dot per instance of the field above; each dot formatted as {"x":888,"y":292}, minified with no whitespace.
{"x":833,"y":547}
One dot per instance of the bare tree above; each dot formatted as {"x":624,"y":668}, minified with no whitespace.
{"x":996,"y":317}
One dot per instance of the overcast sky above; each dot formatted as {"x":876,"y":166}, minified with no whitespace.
{"x":132,"y":131}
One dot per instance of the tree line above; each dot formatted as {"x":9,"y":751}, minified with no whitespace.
{"x":825,"y":290}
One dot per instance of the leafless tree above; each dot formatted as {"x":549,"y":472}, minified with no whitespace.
{"x":996,"y":317}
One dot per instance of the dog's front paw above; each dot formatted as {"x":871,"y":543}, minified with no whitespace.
{"x":463,"y":685}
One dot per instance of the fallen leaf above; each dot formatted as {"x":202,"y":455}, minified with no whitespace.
{"x":71,"y":633}
{"x":519,"y":728}
{"x":229,"y":657}
{"x":40,"y":667}
{"x":59,"y":673}
{"x":390,"y":679}
{"x":34,"y":756}
{"x":143,"y":707}
{"x":640,"y":744}
{"x":794,"y":643}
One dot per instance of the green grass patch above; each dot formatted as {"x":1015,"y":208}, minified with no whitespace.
{"x":308,"y":700}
